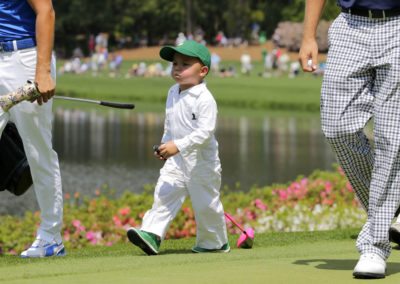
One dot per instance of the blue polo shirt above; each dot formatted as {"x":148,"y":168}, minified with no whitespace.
{"x":17,"y":20}
{"x":370,"y":4}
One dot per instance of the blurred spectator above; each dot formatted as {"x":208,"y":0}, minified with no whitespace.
{"x":102,"y":57}
{"x":227,"y":72}
{"x":255,"y":28}
{"x":294,"y":69}
{"x":152,"y":70}
{"x":77,"y":52}
{"x":320,"y":70}
{"x":115,"y":64}
{"x":276,"y":54}
{"x":132,"y":71}
{"x":220,"y":39}
{"x":101,"y":42}
{"x":262,"y":39}
{"x":199,"y":35}
{"x":215,"y":61}
{"x":245,"y":60}
{"x":264,"y":53}
{"x":180,"y":39}
{"x":283,"y":61}
{"x":91,"y":44}
{"x":142,"y":69}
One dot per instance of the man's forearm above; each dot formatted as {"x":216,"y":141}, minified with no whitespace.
{"x":45,"y":20}
{"x":311,"y":18}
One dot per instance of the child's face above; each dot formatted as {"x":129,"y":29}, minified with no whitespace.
{"x":187,"y":71}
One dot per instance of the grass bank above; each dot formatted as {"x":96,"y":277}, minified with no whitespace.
{"x":241,"y":93}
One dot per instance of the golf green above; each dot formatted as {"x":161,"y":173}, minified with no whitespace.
{"x":325,"y":257}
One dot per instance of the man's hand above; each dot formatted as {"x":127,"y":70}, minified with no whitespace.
{"x":308,"y":55}
{"x":45,"y":86}
{"x":309,"y":48}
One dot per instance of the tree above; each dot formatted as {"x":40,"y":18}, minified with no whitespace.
{"x":294,"y":12}
{"x":159,"y":21}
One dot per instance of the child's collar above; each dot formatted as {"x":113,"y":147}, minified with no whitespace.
{"x":195,"y":90}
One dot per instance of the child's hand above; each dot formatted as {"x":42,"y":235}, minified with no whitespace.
{"x":157,"y":153}
{"x":168,"y":149}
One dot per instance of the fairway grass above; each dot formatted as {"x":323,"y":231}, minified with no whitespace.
{"x":319,"y":257}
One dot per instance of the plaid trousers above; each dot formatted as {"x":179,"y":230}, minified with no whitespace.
{"x":362,"y":82}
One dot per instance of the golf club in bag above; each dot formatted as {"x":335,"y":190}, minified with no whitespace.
{"x":15,"y":174}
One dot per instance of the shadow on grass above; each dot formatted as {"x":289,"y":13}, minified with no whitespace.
{"x":343,"y":264}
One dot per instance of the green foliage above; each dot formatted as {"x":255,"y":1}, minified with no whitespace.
{"x":295,"y":11}
{"x":323,"y":201}
{"x":157,"y":20}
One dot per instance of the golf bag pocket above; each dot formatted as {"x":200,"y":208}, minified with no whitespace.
{"x":15,"y":175}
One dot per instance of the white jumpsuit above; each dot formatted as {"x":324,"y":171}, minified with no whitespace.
{"x":190,"y":122}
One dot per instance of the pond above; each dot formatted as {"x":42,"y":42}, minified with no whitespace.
{"x":113,"y":150}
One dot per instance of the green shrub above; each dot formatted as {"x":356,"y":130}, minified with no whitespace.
{"x":322,"y":201}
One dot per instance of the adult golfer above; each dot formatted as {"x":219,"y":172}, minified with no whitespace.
{"x":26,"y":42}
{"x":361,"y":81}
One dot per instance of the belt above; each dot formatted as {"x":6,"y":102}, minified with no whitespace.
{"x":14,"y":45}
{"x":372,"y":14}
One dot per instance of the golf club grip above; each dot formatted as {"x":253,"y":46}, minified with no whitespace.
{"x":117,"y":105}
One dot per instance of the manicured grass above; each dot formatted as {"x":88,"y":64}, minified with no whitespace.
{"x":241,"y":93}
{"x":312,"y":257}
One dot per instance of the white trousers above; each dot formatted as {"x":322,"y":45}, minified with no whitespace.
{"x":171,"y":191}
{"x":34,"y":124}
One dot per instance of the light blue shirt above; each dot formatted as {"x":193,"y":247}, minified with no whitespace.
{"x":17,"y":20}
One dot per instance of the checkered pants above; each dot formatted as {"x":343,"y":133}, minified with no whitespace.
{"x":362,"y":81}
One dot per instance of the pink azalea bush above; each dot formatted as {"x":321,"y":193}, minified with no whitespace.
{"x":322,"y":201}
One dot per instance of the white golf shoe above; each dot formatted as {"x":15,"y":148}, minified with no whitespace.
{"x":370,"y":265}
{"x":42,"y":248}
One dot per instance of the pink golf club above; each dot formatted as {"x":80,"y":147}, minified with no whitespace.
{"x":246,"y":238}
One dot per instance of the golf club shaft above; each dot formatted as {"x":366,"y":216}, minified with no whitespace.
{"x":103,"y":103}
{"x":234,"y":222}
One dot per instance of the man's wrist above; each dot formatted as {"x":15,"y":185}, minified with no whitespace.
{"x":309,"y":37}
{"x":43,"y":69}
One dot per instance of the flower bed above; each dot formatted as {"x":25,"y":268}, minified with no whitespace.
{"x":322,"y":201}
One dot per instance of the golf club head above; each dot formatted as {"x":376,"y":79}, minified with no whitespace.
{"x":246,"y":239}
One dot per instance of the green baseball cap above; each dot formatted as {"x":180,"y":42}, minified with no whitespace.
{"x":190,"y":48}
